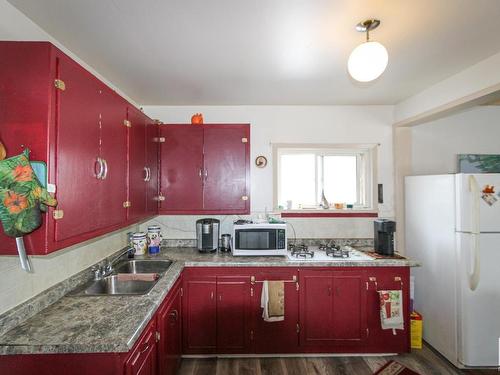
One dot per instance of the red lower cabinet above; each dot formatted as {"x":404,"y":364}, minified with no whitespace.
{"x":387,"y":278}
{"x":275,"y":337}
{"x":200,"y":319}
{"x":233,"y":318}
{"x":143,"y":358}
{"x":169,"y":325}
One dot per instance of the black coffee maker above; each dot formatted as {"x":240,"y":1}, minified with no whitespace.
{"x":384,"y":236}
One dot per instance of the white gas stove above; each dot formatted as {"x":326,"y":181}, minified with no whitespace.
{"x":325,"y":253}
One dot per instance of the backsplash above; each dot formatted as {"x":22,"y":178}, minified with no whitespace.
{"x":19,"y":286}
{"x":183,"y":226}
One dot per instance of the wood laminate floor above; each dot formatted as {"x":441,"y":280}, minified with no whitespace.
{"x":425,"y":362}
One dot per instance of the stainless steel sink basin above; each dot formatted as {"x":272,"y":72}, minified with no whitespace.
{"x":142,"y":266}
{"x":110,"y":285}
{"x":113,"y":286}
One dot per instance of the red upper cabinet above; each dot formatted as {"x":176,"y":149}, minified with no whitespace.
{"x":226,"y":168}
{"x":138,"y":170}
{"x":205,"y":169}
{"x":75,"y":124}
{"x":181,"y":168}
{"x":78,"y":150}
{"x":113,"y":148}
{"x":152,"y":165}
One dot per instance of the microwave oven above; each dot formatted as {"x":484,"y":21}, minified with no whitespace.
{"x":259,"y":239}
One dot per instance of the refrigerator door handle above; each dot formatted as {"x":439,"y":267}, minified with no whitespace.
{"x":474,"y":276}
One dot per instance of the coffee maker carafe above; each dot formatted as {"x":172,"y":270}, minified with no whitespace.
{"x":384,"y":236}
{"x":207,"y":235}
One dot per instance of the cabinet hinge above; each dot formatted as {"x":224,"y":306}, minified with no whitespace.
{"x":127,"y":204}
{"x":51,"y":188}
{"x":59,"y":84}
{"x":244,"y":140}
{"x":244,"y":197}
{"x":298,"y":328}
{"x":158,"y":336}
{"x":159,"y":139}
{"x":58,"y":214}
{"x":251,"y":335}
{"x":160,"y":198}
{"x":127,"y":123}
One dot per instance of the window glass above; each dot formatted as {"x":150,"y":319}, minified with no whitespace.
{"x":297,"y":180}
{"x":340,"y":179}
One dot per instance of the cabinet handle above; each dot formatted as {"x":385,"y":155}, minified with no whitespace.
{"x":149,"y":174}
{"x":200,"y":173}
{"x":98,"y":173}
{"x":329,"y":291}
{"x":211,"y":295}
{"x":174,"y":315}
{"x":146,"y":176}
{"x":105,"y":172}
{"x":205,"y":174}
{"x":146,"y":347}
{"x":220,"y":297}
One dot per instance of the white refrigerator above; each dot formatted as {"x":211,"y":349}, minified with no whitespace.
{"x":453,"y":227}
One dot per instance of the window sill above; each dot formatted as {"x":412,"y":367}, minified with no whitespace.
{"x":329,"y":213}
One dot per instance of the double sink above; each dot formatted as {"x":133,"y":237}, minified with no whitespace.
{"x":114,"y":285}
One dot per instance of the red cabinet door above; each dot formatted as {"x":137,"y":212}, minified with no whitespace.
{"x":77,"y":151}
{"x":387,"y":278}
{"x":169,"y":327}
{"x":152,"y":158}
{"x":199,"y":320}
{"x":349,"y":307}
{"x":316,"y":308}
{"x":233,"y":307}
{"x":137,"y":172}
{"x":143,"y":358}
{"x":226,"y":168}
{"x":181,"y":168}
{"x":276,"y":337}
{"x":113,"y":147}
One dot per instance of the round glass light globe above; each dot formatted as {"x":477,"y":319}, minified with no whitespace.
{"x":367,"y":61}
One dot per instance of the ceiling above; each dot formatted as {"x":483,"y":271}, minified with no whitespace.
{"x":229,"y":52}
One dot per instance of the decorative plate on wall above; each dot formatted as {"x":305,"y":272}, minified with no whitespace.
{"x":261,"y":161}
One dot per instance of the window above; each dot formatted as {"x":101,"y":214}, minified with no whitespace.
{"x":342,"y":174}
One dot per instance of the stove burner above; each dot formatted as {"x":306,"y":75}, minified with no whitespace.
{"x":334,"y":251}
{"x":300,"y":251}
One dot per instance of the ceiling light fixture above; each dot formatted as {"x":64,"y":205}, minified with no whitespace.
{"x":368,"y":60}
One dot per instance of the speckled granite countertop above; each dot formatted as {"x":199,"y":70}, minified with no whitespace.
{"x":76,"y":324}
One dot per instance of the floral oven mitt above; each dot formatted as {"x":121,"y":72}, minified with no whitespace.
{"x":22,"y":197}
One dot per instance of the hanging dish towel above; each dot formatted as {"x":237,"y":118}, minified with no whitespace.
{"x":272,"y":301}
{"x":391,"y":309}
{"x":22,"y":197}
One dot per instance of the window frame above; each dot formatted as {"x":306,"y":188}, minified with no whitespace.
{"x":367,"y":185}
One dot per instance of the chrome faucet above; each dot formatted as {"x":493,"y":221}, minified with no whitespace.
{"x":101,"y":272}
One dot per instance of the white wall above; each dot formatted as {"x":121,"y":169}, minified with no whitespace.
{"x":483,"y":77}
{"x":296,"y":124}
{"x":435,"y":145}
